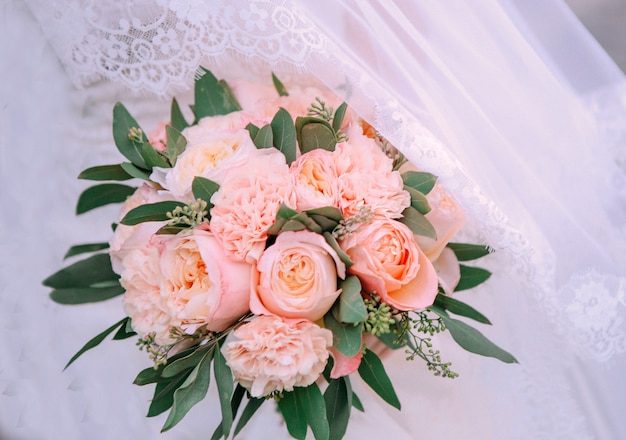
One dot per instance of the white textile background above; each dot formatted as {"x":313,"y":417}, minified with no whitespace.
{"x":511,"y":103}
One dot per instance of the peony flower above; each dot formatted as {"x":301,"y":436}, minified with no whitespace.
{"x":366,"y":177}
{"x":200,"y":284}
{"x":208,"y":154}
{"x":314,"y":180}
{"x":388,"y":262}
{"x":246,"y":204}
{"x":268,"y":354}
{"x":446,"y":216}
{"x":297,"y":277}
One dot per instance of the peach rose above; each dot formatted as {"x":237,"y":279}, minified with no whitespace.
{"x":268,"y":354}
{"x":446,"y":216}
{"x":200,"y":284}
{"x":246,"y":204}
{"x":366,"y":177}
{"x":388,"y":262}
{"x":208,"y":154}
{"x":297,"y":277}
{"x":314,"y":180}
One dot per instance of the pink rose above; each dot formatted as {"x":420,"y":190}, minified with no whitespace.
{"x":158,"y":137}
{"x":246,"y":204}
{"x":297,"y":277}
{"x":200,"y":284}
{"x":314,"y":180}
{"x":388,"y":262}
{"x":446,"y":216}
{"x":448,"y":270}
{"x":268,"y":354}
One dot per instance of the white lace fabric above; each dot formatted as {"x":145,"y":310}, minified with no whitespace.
{"x":478,"y":94}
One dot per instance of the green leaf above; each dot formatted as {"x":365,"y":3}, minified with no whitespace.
{"x":151,"y":212}
{"x":253,"y":130}
{"x":356,"y":402}
{"x":177,"y":120}
{"x":284,"y":134}
{"x":190,"y":392}
{"x":471,"y":339}
{"x":315,"y":134}
{"x":330,"y":212}
{"x":204,"y":189}
{"x":235,"y":402}
{"x":153,"y":157}
{"x":150,"y":375}
{"x":339,"y":115}
{"x":186,"y":362}
{"x":338,"y":398}
{"x":230,"y":95}
{"x":471,"y":277}
{"x":84,"y":273}
{"x":105,"y":172}
{"x":460,"y":308}
{"x":418,"y":200}
{"x":134,"y":171}
{"x":351,"y":307}
{"x":104,"y":194}
{"x":164,"y":394}
{"x":326,"y":224}
{"x":95,"y":341}
{"x":332,"y":241}
{"x":85,"y":248}
{"x":211,"y":98}
{"x":252,"y":407}
{"x":264,"y":138}
{"x":125,"y":331}
{"x":312,"y":402}
{"x":467,"y":252}
{"x":373,"y":373}
{"x":83,"y":295}
{"x":175,"y":144}
{"x":122,"y":123}
{"x":293,"y":414}
{"x":286,"y":212}
{"x":419,"y":180}
{"x":278,"y":85}
{"x":224,"y":380}
{"x":417,"y":223}
{"x":346,"y":337}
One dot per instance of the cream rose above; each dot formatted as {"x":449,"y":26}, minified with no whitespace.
{"x":388,"y":262}
{"x":446,"y":216}
{"x":208,"y":154}
{"x":200,"y":284}
{"x":246,"y":204}
{"x":314,"y":180}
{"x":268,"y":354}
{"x":297,"y":277}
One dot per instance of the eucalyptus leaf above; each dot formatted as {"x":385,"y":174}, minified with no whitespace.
{"x":211,"y":98}
{"x":164,"y":394}
{"x":312,"y":402}
{"x":122,"y":123}
{"x":471,"y":339}
{"x":235,"y":402}
{"x":136,"y":172}
{"x":351,"y":307}
{"x":356,"y":402}
{"x":105,"y":172}
{"x":339,"y":115}
{"x":153,"y":157}
{"x":417,"y":223}
{"x":175,"y":143}
{"x":326,"y":224}
{"x":151,"y":212}
{"x":230,"y":95}
{"x":204,"y":189}
{"x":418,"y":200}
{"x":96,"y":340}
{"x":292,"y":225}
{"x":327,"y":211}
{"x":419,"y":180}
{"x":373,"y":373}
{"x":251,"y":408}
{"x":103,"y":194}
{"x":471,"y":277}
{"x":253,"y":130}
{"x":84,"y":295}
{"x":264,"y":138}
{"x":284,"y":135}
{"x":317,"y":135}
{"x":224,"y":380}
{"x":467,"y":252}
{"x":85,"y":248}
{"x":125,"y":331}
{"x":460,"y":308}
{"x":177,"y":120}
{"x":192,"y":391}
{"x":347,"y":338}
{"x":152,"y":375}
{"x":332,"y":241}
{"x":286,"y":212}
{"x":338,"y":398}
{"x":187,"y":362}
{"x":83,"y":273}
{"x":278,"y":85}
{"x":293,"y":414}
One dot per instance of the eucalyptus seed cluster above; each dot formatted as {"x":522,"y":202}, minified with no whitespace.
{"x":135,"y":134}
{"x":379,"y":316}
{"x":319,"y":109}
{"x":191,"y":215}
{"x":352,"y":224}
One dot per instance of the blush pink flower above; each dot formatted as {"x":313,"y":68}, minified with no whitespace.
{"x":158,"y":137}
{"x":246,"y":204}
{"x":268,"y":354}
{"x":388,"y":262}
{"x":315,"y":180}
{"x":448,"y":270}
{"x":297,"y":277}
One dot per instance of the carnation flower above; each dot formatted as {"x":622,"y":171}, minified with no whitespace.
{"x":268,"y":354}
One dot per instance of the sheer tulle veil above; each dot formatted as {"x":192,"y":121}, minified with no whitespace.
{"x":511,"y":103}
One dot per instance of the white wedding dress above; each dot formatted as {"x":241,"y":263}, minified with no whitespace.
{"x":511,"y":103}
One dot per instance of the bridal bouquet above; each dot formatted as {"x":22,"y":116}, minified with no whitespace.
{"x":275,"y":244}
